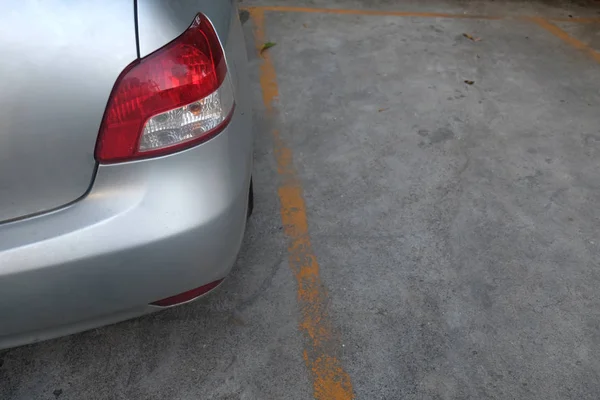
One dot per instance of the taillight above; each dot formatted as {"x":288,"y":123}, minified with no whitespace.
{"x":176,"y":97}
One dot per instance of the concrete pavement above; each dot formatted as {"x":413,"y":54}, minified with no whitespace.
{"x":454,"y":224}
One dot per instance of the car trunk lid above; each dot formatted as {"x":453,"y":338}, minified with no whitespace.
{"x":59,"y":63}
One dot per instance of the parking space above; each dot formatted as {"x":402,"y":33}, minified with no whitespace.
{"x":426,"y":221}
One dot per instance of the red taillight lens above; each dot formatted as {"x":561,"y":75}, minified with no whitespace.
{"x":174,"y":98}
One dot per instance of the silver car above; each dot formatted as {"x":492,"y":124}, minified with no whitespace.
{"x":125,"y":159}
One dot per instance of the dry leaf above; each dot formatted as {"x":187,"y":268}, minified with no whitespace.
{"x":383,"y":109}
{"x":470,"y":37}
{"x":305,"y":25}
{"x":266,"y":46}
{"x":469,"y":82}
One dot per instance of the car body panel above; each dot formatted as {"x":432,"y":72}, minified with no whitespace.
{"x":60,"y":60}
{"x":160,"y":21}
{"x":147,"y":230}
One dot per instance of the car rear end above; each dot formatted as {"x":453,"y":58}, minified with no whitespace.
{"x":125,"y":160}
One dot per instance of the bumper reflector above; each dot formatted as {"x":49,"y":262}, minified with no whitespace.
{"x":187,"y":296}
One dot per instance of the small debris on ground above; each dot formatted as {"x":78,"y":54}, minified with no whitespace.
{"x":383,"y":109}
{"x":244,"y":16}
{"x":305,"y":25}
{"x":266,"y":46}
{"x":468,"y":82}
{"x":470,"y":37}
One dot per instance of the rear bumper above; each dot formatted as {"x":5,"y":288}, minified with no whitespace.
{"x":146,"y":231}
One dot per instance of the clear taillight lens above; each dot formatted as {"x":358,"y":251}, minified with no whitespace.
{"x":199,"y":119}
{"x":175,"y":98}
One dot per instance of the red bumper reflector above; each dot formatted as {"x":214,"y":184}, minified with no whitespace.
{"x":187,"y":296}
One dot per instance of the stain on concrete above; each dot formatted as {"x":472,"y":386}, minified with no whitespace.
{"x":441,"y":135}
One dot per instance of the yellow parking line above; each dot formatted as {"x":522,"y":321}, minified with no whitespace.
{"x":330,"y":380}
{"x":555,"y":30}
{"x":369,"y":12}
